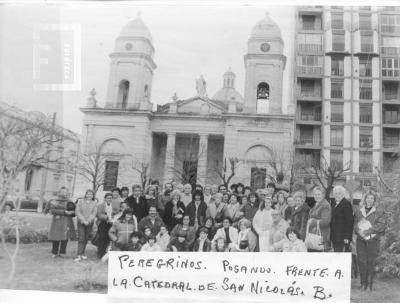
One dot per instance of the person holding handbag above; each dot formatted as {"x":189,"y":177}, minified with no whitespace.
{"x":319,"y":222}
{"x":369,"y":225}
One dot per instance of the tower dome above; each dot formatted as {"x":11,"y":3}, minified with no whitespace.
{"x":266,"y":29}
{"x":137,"y":29}
{"x":228,"y":93}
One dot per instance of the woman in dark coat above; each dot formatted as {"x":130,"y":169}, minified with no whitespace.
{"x":62,"y":226}
{"x":320,"y":215}
{"x":300,"y":214}
{"x":369,"y":225}
{"x":104,"y":223}
{"x":174,"y":211}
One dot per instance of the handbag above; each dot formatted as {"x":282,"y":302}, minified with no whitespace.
{"x":314,"y":241}
{"x":95,"y":240}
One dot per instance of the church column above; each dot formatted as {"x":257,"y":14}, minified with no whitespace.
{"x":169,"y":157}
{"x":202,"y":162}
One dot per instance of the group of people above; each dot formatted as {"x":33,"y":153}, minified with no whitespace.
{"x":214,"y":218}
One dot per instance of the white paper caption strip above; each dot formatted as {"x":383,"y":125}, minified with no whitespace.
{"x":250,"y":277}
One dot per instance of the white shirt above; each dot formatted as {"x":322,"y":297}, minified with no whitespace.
{"x":109,"y":210}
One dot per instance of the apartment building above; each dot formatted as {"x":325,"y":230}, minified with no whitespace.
{"x":348,"y":96}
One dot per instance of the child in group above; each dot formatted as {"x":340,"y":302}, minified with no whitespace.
{"x":202,"y":244}
{"x":163,"y":238}
{"x":151,"y":245}
{"x":221,"y":246}
{"x":292,"y":242}
{"x":134,"y":244}
{"x":178,"y":244}
{"x":145,"y":236}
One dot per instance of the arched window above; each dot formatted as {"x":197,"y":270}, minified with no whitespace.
{"x":262,"y":98}
{"x":146,"y":92}
{"x":123,"y":93}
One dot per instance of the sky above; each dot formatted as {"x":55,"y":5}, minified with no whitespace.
{"x":189,"y":41}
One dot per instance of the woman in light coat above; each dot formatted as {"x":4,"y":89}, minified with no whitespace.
{"x":227,"y":232}
{"x":262,"y":223}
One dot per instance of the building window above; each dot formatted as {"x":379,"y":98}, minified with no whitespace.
{"x":391,"y":46}
{"x":310,"y":88}
{"x":258,"y":176}
{"x":367,"y":42}
{"x":365,"y":136}
{"x":309,"y":112}
{"x":365,"y":66}
{"x":390,"y":23}
{"x":123,"y":93}
{"x":310,"y":157}
{"x":337,"y":66}
{"x":28,"y":179}
{"x":365,"y":164}
{"x":390,"y":67}
{"x":337,"y":20}
{"x":336,"y":112}
{"x":336,"y":135}
{"x":390,"y":138}
{"x":310,"y":43}
{"x":337,"y":88}
{"x":390,"y":90}
{"x":365,"y":89}
{"x":146,"y":92}
{"x":307,"y":135}
{"x":338,"y":42}
{"x":365,"y":21}
{"x":308,"y":22}
{"x":391,"y":114}
{"x":110,"y":175}
{"x":336,"y":159}
{"x":310,"y":64}
{"x":365,"y":113}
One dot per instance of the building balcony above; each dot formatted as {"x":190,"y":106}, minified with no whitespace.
{"x":307,"y":142}
{"x":390,"y":145}
{"x":309,"y":96}
{"x":390,"y":51}
{"x":337,"y":94}
{"x":310,"y":48}
{"x":390,"y":29}
{"x":309,"y":118}
{"x":310,"y":71}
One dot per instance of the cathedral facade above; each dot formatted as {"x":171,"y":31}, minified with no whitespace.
{"x":191,"y":140}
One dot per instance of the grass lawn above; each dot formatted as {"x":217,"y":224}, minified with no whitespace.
{"x":36,"y":270}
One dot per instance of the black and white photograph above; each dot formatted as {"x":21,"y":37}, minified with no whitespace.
{"x":148,"y":128}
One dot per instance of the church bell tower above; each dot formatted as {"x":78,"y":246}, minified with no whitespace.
{"x":132,"y":67}
{"x":264,"y":64}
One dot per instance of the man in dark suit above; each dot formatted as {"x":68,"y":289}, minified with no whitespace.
{"x":196,"y":210}
{"x":342,"y":221}
{"x":138,"y":203}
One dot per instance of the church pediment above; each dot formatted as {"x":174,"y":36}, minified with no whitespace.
{"x":200,"y":105}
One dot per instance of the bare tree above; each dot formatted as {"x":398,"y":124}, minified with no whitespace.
{"x":142,"y":169}
{"x":327,"y":174}
{"x":91,"y":165}
{"x":186,"y":163}
{"x":24,"y":141}
{"x":228,"y":170}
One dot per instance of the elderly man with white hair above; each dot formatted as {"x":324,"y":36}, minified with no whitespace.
{"x":342,"y":220}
